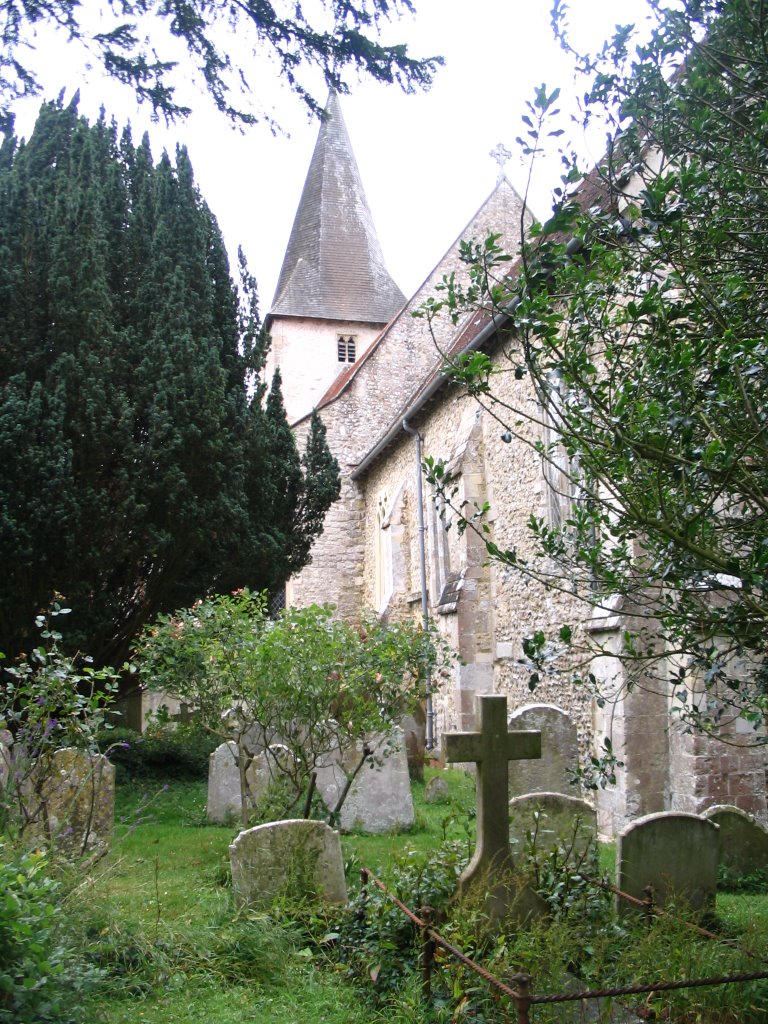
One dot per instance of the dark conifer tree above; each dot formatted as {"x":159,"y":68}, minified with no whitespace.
{"x":139,"y":467}
{"x":321,"y":487}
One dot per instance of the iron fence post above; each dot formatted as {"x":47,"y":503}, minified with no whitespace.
{"x":522,"y":984}
{"x":649,"y":904}
{"x":427,"y":952}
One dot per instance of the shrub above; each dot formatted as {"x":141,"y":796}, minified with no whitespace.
{"x":40,"y":977}
{"x":48,"y":701}
{"x":163,"y":753}
{"x":306,"y":680}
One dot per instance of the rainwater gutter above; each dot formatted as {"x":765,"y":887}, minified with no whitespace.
{"x":427,"y":395}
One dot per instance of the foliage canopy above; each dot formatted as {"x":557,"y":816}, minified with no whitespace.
{"x":306,"y":681}
{"x":141,"y":466}
{"x":139,"y":44}
{"x":638,"y":317}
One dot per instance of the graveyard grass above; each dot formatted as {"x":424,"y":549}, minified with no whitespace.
{"x":157,"y":917}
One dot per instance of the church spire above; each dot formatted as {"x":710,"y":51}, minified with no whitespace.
{"x":333,"y":267}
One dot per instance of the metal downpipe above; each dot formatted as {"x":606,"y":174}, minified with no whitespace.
{"x":423,"y":579}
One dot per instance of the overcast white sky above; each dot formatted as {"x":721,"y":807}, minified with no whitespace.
{"x":423,"y":158}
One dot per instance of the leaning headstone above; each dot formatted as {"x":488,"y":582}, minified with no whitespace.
{"x":224,"y":801}
{"x":379,"y":799}
{"x":76,"y":809}
{"x":743,"y":840}
{"x":297,"y":858}
{"x":540,"y":822}
{"x":491,"y":870}
{"x":559,"y":751}
{"x":248,"y":734}
{"x":436,"y":790}
{"x":673,"y":854}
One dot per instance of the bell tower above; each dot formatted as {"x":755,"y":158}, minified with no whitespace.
{"x":334,"y":293}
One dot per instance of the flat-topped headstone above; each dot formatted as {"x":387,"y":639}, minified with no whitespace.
{"x":491,"y":748}
{"x":743,"y":840}
{"x":379,"y":799}
{"x":297,"y":858}
{"x":76,"y":810}
{"x":675,"y":854}
{"x":559,"y":751}
{"x":544,"y":821}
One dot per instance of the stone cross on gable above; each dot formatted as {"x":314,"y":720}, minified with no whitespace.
{"x":491,"y":749}
{"x":502,"y":156}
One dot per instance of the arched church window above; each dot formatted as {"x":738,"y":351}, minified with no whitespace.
{"x":560,"y":471}
{"x":347,"y":348}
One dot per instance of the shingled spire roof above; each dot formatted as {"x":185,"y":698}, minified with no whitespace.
{"x":333,"y":267}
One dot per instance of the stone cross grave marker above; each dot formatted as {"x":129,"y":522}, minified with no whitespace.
{"x":491,"y":749}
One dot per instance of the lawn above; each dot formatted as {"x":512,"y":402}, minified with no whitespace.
{"x":164,"y":891}
{"x":156,"y":918}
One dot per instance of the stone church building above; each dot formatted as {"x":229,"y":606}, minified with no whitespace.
{"x":347,"y":344}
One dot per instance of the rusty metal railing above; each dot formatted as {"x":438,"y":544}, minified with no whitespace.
{"x":521,"y":995}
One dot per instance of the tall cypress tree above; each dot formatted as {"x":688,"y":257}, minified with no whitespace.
{"x":140,"y":468}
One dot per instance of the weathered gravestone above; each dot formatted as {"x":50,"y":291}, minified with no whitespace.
{"x":743,"y":840}
{"x":379,"y":799}
{"x":414,"y":728}
{"x":559,"y":751}
{"x":243,"y":731}
{"x":273,"y":763}
{"x":490,"y":873}
{"x":550,"y":820}
{"x":297,"y":857}
{"x":674,"y":854}
{"x":224,"y":800}
{"x":224,"y":783}
{"x":436,"y":790}
{"x":74,"y":802}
